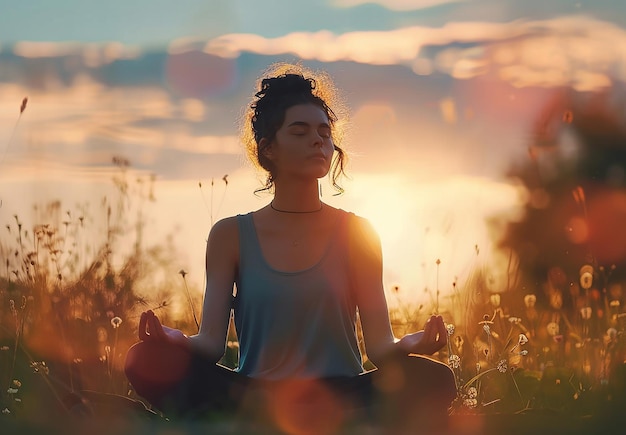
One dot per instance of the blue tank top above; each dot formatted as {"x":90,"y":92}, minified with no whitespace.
{"x":295,"y":324}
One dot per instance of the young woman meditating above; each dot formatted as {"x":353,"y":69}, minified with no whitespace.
{"x":295,"y":273}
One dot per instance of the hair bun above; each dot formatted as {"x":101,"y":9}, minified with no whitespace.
{"x":286,"y":84}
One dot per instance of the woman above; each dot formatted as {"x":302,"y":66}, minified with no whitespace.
{"x":302,"y":269}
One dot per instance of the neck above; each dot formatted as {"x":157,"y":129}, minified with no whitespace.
{"x":297,"y":198}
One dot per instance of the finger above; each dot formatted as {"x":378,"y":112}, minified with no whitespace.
{"x":156,"y":330}
{"x":441,"y":330}
{"x":143,"y":335}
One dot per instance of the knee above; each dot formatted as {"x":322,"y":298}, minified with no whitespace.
{"x":154,"y":362}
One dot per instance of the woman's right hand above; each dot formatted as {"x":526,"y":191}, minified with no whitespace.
{"x":151,"y":329}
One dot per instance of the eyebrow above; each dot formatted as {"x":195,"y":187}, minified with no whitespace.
{"x":306,"y":124}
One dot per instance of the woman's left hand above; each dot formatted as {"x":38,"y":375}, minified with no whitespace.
{"x":428,"y":341}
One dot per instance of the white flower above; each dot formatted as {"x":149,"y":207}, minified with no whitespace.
{"x":472,"y":392}
{"x":502,"y":366}
{"x":450,"y":329}
{"x":12,"y":390}
{"x":515,"y":320}
{"x":522,"y":339}
{"x":470,"y":403}
{"x":454,"y":361}
{"x":6,"y":411}
{"x":524,"y":353}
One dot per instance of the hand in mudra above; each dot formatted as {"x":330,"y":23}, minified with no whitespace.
{"x":151,"y":329}
{"x":430,"y":340}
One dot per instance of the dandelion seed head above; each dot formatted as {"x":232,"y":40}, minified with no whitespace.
{"x":487,"y":329}
{"x":6,"y":411}
{"x":524,"y":353}
{"x":116,"y":322}
{"x":515,"y":320}
{"x":522,"y":339}
{"x":612,"y":333}
{"x":502,"y":366}
{"x":12,"y":390}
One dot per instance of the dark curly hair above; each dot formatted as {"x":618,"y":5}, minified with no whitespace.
{"x":282,"y":87}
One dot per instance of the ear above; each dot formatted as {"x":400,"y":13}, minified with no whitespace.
{"x":266,"y":148}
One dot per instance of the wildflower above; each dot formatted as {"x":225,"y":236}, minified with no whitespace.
{"x":470,"y":403}
{"x":586,"y":276}
{"x":12,"y":390}
{"x":487,"y":329}
{"x":495,"y":299}
{"x":530,"y":300}
{"x":502,"y":366}
{"x":450,"y":329}
{"x":4,"y":348}
{"x":524,"y":353}
{"x":17,"y":383}
{"x":477,"y":367}
{"x":472,"y":392}
{"x":585,"y":312}
{"x":553,"y":328}
{"x":6,"y":411}
{"x":182,"y":273}
{"x":454,"y":361}
{"x":116,"y":322}
{"x":614,"y":303}
{"x":612,"y":333}
{"x":522,"y":339}
{"x":515,"y":320}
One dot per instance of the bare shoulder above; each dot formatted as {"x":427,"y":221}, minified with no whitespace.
{"x":361,"y":230}
{"x":224,"y":235}
{"x":225,"y":227}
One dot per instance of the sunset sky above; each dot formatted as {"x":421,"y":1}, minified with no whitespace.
{"x":443,"y":96}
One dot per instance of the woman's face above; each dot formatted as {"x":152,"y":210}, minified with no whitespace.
{"x":303,"y":145}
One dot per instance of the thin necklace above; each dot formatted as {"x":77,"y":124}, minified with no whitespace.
{"x":295,"y":212}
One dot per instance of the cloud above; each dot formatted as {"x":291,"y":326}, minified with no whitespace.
{"x":578,"y":51}
{"x":94,"y":55}
{"x":396,"y":5}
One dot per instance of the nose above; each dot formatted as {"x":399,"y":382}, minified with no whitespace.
{"x":318,"y":140}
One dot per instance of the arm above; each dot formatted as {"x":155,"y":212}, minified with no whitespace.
{"x":366,"y":266}
{"x":222,"y":257}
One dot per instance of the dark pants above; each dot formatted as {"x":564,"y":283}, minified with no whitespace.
{"x":179,"y":383}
